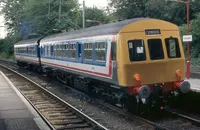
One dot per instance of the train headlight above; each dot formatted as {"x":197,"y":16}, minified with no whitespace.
{"x":178,"y":73}
{"x":137,"y":77}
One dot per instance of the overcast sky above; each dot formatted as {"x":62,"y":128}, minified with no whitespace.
{"x":98,"y":3}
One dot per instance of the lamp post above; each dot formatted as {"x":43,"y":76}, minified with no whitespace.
{"x":188,"y":33}
{"x":187,"y":3}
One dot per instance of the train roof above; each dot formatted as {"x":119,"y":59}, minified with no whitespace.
{"x":27,"y":41}
{"x":111,"y":28}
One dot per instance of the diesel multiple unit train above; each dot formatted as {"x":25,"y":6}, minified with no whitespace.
{"x":141,"y":58}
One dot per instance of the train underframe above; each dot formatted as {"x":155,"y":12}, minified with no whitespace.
{"x":121,"y":97}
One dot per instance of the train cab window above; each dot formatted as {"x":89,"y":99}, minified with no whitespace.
{"x":65,"y":50}
{"x":173,"y":50}
{"x":100,"y":50}
{"x":72,"y":50}
{"x":88,"y":51}
{"x":136,"y":50}
{"x":155,"y":49}
{"x":113,"y":47}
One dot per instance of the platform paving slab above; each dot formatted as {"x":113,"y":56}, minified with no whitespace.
{"x":15,"y":111}
{"x":195,"y":84}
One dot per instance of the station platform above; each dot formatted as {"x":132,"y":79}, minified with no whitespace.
{"x":15,"y":111}
{"x":195,"y":84}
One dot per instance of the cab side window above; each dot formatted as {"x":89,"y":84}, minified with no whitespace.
{"x":136,"y":50}
{"x":113,"y":47}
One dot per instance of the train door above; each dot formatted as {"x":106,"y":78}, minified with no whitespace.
{"x":80,"y":52}
{"x":52,"y":51}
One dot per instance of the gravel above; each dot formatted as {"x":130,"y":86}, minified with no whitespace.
{"x":105,"y":116}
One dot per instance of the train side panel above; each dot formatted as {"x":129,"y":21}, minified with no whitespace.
{"x":27,"y":53}
{"x":92,"y":68}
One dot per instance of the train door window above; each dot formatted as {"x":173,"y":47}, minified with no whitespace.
{"x":155,"y":49}
{"x":173,"y":50}
{"x":79,"y":50}
{"x":73,"y":50}
{"x":52,"y":50}
{"x":88,"y":51}
{"x":136,"y":50}
{"x":113,"y":47}
{"x":100,"y":51}
{"x":65,"y":50}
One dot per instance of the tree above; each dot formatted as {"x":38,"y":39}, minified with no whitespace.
{"x":93,"y":14}
{"x":32,"y":16}
{"x":174,"y":12}
{"x":13,"y":15}
{"x":195,"y":44}
{"x":126,"y":9}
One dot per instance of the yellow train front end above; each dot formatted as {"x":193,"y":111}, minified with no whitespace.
{"x":150,"y":59}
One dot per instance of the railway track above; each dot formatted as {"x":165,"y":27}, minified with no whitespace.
{"x":174,"y":121}
{"x":34,"y":95}
{"x":57,"y":113}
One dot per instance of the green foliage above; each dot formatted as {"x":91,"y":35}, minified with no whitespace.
{"x":174,"y":12}
{"x":95,"y":15}
{"x":32,"y":16}
{"x":27,"y":17}
{"x":195,"y":44}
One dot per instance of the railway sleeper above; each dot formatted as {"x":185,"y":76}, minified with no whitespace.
{"x":63,"y":117}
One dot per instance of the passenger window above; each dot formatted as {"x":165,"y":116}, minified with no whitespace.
{"x":173,"y":50}
{"x":88,"y":51}
{"x":48,"y":50}
{"x":136,"y":50}
{"x":34,"y":51}
{"x":65,"y":50}
{"x":100,"y":50}
{"x":54,"y":50}
{"x":59,"y":51}
{"x":155,"y":49}
{"x":72,"y":50}
{"x":113,"y":47}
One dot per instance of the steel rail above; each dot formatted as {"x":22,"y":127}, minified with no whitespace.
{"x":90,"y":120}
